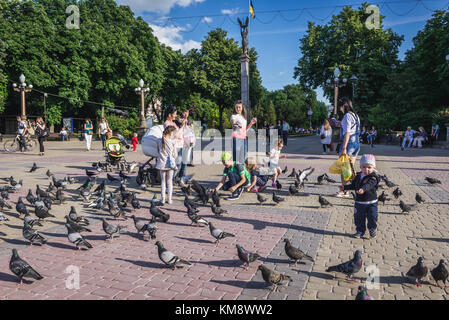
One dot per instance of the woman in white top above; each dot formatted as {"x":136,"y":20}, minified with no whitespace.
{"x":104,"y":128}
{"x":326,"y":136}
{"x":239,"y":130}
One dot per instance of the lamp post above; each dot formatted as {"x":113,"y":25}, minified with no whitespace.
{"x":143,"y":92}
{"x":45,"y":107}
{"x":353,"y":80}
{"x":336,"y":83}
{"x":22,"y":88}
{"x":309,"y":113}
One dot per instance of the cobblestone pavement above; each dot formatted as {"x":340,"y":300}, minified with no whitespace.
{"x":129,"y":268}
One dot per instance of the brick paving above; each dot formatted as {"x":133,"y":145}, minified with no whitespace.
{"x":128,"y":268}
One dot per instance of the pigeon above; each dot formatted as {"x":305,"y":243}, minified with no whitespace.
{"x":329,"y":179}
{"x":218,"y":234}
{"x":62,"y":184}
{"x":140,"y":225}
{"x":158,"y":213}
{"x":130,"y":167}
{"x":245,"y":256}
{"x":362,"y":294}
{"x":48,"y":173}
{"x":111,"y":229}
{"x":21,"y":207}
{"x":389,"y":183}
{"x":215,"y":198}
{"x":3,"y":218}
{"x":40,"y":192}
{"x":190,"y":205}
{"x":405,"y":207}
{"x":440,"y":273}
{"x":418,"y":271}
{"x":135,"y":202}
{"x":101,"y":188}
{"x":50,"y":188}
{"x":21,"y":268}
{"x":350,"y":267}
{"x":277,"y":199}
{"x":304,"y":174}
{"x":293,"y":190}
{"x":321,"y":178}
{"x":32,"y":235}
{"x":196,"y":218}
{"x":111,"y":178}
{"x":60,"y":196}
{"x":419,"y":199}
{"x":116,"y":211}
{"x":152,"y":228}
{"x":75,"y":226}
{"x":201,"y":191}
{"x":383,"y":197}
{"x":156,"y":202}
{"x":18,"y":185}
{"x":432,"y":180}
{"x":42,"y":213}
{"x":293,"y":174}
{"x":5,"y":195}
{"x":91,"y":173}
{"x":73,"y":215}
{"x":123,"y":176}
{"x":218,"y":211}
{"x":273,"y":277}
{"x":285,"y":170}
{"x":324,"y":203}
{"x":31,"y":221}
{"x":3,"y":204}
{"x":169,"y":258}
{"x":260,"y":198}
{"x":294,"y":253}
{"x":33,"y":168}
{"x":278,"y":185}
{"x":75,"y":238}
{"x":397,"y":193}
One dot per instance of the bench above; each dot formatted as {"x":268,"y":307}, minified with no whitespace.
{"x":57,"y":137}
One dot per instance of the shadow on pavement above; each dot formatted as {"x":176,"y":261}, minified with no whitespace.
{"x":319,"y":275}
{"x":15,"y":241}
{"x":62,"y":245}
{"x":244,"y":284}
{"x":433,"y":239}
{"x":11,"y":278}
{"x":146,"y":264}
{"x":195,"y":240}
{"x":220,"y":263}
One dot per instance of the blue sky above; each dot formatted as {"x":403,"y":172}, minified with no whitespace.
{"x":274,"y":37}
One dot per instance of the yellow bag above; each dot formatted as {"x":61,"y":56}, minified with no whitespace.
{"x":343,"y":166}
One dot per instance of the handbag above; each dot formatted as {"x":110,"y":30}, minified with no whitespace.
{"x":323,"y":136}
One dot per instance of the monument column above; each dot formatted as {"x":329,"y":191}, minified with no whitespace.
{"x":244,"y":60}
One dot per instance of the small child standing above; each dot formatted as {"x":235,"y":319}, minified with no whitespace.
{"x":166,"y":161}
{"x":134,"y":142}
{"x":365,"y":207}
{"x":275,"y":155}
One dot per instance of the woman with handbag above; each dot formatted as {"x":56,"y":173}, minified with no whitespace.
{"x":326,"y":136}
{"x":88,"y":131}
{"x":41,"y":134}
{"x":166,"y":162}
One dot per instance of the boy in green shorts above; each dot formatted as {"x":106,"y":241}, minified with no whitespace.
{"x":238,"y":177}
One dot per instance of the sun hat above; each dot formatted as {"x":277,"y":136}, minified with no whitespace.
{"x":368,"y":159}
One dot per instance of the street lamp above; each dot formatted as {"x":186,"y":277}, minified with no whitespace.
{"x":22,"y":88}
{"x":309,"y":113}
{"x":337,"y":84}
{"x":143,"y":92}
{"x":353,"y":80}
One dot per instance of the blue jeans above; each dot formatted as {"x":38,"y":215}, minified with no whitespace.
{"x":63,"y":137}
{"x":181,"y":167}
{"x":285,"y":137}
{"x":363,"y":212}
{"x":233,"y":179}
{"x":239,"y":150}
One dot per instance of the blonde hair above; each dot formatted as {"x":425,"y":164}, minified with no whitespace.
{"x":280,"y":143}
{"x":251,"y":164}
{"x":326,"y":125}
{"x":243,"y":108}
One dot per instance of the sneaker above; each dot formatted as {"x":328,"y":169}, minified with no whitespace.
{"x":273,"y":185}
{"x":262,"y":188}
{"x":236,"y":195}
{"x":357,"y":235}
{"x":343,"y":195}
{"x":372,"y":234}
{"x":170,"y":201}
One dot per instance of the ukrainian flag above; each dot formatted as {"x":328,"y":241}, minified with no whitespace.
{"x":251,"y":9}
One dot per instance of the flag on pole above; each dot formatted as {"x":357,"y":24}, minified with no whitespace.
{"x":251,"y":9}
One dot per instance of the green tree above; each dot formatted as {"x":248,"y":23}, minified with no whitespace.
{"x":345,"y":42}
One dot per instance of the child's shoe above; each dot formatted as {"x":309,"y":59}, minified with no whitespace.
{"x":273,"y":185}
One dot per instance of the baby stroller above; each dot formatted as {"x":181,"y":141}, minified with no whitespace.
{"x":115,"y":155}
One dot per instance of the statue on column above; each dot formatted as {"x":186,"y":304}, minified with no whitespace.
{"x":244,"y":33}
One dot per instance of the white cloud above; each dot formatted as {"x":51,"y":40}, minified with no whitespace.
{"x":171,"y":36}
{"x":231,"y":12}
{"x":160,"y":6}
{"x":207,"y":19}
{"x":281,"y":73}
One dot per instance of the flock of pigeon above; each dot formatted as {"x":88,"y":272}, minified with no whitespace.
{"x":118,"y":201}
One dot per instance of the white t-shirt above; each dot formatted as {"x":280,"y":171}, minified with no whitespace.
{"x":242,"y":123}
{"x":274,"y":158}
{"x":103,"y":128}
{"x":349,"y":123}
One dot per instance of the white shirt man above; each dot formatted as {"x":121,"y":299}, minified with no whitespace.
{"x":408,"y":136}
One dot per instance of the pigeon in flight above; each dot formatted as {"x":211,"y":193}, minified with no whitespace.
{"x":418,"y":271}
{"x":350,"y":267}
{"x":273,"y":277}
{"x":21,"y":268}
{"x":169,"y":258}
{"x":245,"y":256}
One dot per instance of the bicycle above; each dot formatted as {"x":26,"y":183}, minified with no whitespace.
{"x":14,"y":145}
